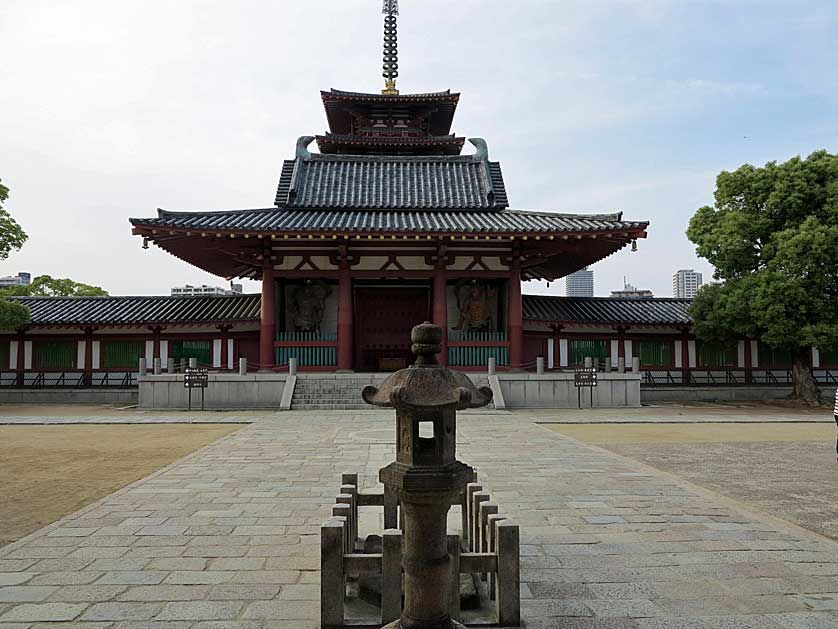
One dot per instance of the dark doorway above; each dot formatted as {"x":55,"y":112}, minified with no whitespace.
{"x":384,"y":316}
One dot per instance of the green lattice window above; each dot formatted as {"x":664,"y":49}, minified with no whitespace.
{"x":202,"y":350}
{"x":122,"y":354}
{"x":583,"y":348}
{"x":717,"y":355}
{"x":773,"y":357}
{"x":4,"y":355}
{"x":655,"y":353}
{"x":54,"y":354}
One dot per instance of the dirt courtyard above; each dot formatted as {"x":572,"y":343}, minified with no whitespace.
{"x":47,"y":472}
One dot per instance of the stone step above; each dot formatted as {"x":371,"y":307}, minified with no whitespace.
{"x":331,"y":407}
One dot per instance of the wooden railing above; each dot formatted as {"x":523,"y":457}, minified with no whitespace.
{"x":488,"y":548}
{"x":722,"y":376}
{"x":311,"y":349}
{"x":68,"y":379}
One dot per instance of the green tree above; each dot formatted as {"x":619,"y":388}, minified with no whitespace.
{"x":772,"y":237}
{"x":12,"y":315}
{"x":12,"y":237}
{"x":47,"y":286}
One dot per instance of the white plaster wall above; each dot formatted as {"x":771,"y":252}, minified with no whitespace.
{"x":164,"y":352}
{"x":629,"y":352}
{"x":149,"y":354}
{"x":615,"y":349}
{"x":678,"y":348}
{"x":230,"y":356}
{"x":816,"y":357}
{"x":13,"y":354}
{"x":80,"y":355}
{"x":740,"y":354}
{"x":563,"y":353}
{"x":216,"y":352}
{"x":27,"y":354}
{"x":551,"y":353}
{"x":754,"y":353}
{"x":289,"y":263}
{"x":692,"y":354}
{"x":96,"y":353}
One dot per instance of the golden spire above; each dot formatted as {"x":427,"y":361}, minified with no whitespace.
{"x":391,"y":47}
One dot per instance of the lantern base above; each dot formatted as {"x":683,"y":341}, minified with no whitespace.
{"x":452,"y":624}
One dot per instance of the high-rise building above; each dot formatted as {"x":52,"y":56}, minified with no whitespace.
{"x":685,"y":283}
{"x":203,"y":289}
{"x":21,"y":279}
{"x":580,"y":284}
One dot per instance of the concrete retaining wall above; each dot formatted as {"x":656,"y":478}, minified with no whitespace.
{"x":68,"y":396}
{"x":556,"y":390}
{"x":224,"y":391}
{"x":652,"y":395}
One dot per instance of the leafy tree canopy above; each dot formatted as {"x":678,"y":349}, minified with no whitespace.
{"x":12,"y":235}
{"x":46,"y":286}
{"x":773,"y":238}
{"x":12,"y":315}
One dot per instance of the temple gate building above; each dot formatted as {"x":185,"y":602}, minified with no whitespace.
{"x":387,"y":226}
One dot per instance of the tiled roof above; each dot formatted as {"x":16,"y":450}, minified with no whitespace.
{"x":117,"y":311}
{"x":607,"y":310}
{"x":375,"y":221}
{"x":389,"y":182}
{"x":444,"y":95}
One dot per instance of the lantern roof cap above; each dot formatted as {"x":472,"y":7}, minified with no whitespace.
{"x":426,"y":384}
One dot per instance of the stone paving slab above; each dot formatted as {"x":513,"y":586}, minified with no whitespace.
{"x":229,"y":537}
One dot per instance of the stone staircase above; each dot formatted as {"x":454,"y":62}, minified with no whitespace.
{"x":342,"y":392}
{"x":337,"y":392}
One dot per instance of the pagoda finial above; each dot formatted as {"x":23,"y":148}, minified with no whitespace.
{"x":391,"y":47}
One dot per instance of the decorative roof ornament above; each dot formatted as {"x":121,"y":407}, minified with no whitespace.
{"x":391,"y":47}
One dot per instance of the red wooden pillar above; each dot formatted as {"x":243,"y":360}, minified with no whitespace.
{"x":515,"y":318}
{"x":621,"y":345}
{"x":267,"y":319}
{"x":21,"y":357}
{"x":440,"y":309}
{"x":225,"y":330}
{"x":156,"y":342}
{"x":749,"y":362}
{"x":345,"y":319}
{"x":88,"y":356}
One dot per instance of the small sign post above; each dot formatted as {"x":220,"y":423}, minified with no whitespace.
{"x":585,"y":377}
{"x":195,"y":379}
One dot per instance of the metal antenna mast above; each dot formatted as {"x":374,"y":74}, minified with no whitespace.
{"x":391,"y":47}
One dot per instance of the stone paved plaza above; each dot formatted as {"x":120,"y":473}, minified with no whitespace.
{"x":228,"y":537}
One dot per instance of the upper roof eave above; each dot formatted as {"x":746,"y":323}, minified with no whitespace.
{"x":446,"y":95}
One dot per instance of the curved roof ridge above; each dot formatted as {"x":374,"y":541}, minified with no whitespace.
{"x":161,"y":213}
{"x":612,"y":216}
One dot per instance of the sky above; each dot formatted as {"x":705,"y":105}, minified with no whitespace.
{"x":110,"y":110}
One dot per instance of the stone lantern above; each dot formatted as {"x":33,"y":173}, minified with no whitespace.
{"x":426,"y":474}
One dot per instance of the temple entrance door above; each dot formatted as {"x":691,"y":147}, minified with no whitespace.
{"x":384,"y":317}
